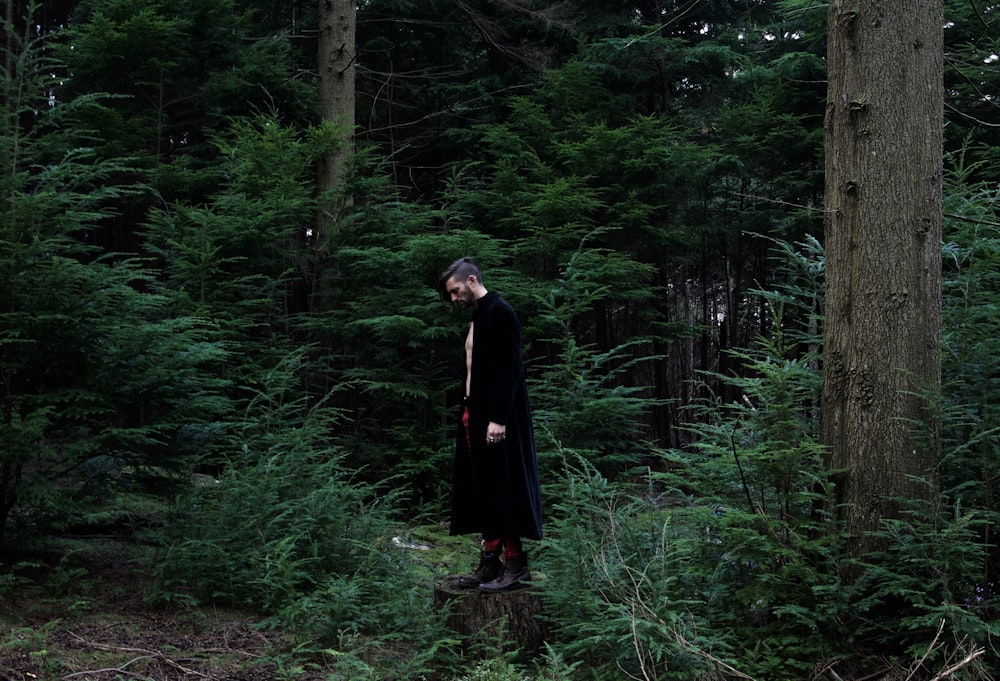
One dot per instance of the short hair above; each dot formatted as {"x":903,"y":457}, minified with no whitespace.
{"x":463,"y":268}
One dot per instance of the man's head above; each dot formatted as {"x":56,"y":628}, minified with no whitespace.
{"x":462,"y":283}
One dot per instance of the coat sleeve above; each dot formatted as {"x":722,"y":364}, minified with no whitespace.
{"x":508,"y":371}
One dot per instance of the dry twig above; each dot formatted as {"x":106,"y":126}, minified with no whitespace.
{"x":950,"y":671}
{"x":145,"y":654}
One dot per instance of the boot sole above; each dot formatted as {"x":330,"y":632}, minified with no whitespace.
{"x":514,"y":584}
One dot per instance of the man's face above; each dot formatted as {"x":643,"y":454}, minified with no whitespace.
{"x":461,"y":291}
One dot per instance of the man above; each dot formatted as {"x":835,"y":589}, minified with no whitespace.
{"x":495,"y":490}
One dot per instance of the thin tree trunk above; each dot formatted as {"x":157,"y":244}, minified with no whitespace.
{"x":884,"y":124}
{"x":8,"y":58}
{"x":337,"y":22}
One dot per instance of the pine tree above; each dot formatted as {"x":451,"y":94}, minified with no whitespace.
{"x":883,"y":241}
{"x":97,"y":376}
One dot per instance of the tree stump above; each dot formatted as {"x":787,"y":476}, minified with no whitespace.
{"x":507,"y":615}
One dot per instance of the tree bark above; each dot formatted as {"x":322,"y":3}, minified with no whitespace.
{"x":510,"y":615}
{"x":8,"y":59}
{"x":337,"y":24}
{"x":883,"y":137}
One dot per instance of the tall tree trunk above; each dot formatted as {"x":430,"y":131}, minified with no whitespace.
{"x":883,"y":139}
{"x":8,"y":57}
{"x":337,"y":22}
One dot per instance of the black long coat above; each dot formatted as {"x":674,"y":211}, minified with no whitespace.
{"x":495,"y":490}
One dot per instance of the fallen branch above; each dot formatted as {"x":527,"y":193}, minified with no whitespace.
{"x":145,"y":654}
{"x":930,"y":649}
{"x":123,"y":669}
{"x":954,"y":668}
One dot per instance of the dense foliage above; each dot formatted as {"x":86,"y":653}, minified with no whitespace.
{"x":642,"y":180}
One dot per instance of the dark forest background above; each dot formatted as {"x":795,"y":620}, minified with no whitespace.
{"x":643,"y":181}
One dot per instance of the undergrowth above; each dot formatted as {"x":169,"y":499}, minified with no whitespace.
{"x":722,"y":560}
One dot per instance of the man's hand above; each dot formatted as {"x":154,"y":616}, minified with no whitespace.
{"x":495,"y":433}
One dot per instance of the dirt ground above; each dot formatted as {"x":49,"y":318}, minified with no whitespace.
{"x":84,"y":617}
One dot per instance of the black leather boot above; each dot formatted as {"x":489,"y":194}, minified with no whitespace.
{"x":514,"y":572}
{"x":488,"y":570}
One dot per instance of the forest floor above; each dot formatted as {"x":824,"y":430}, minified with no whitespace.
{"x":75,"y":607}
{"x":77,"y":612}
